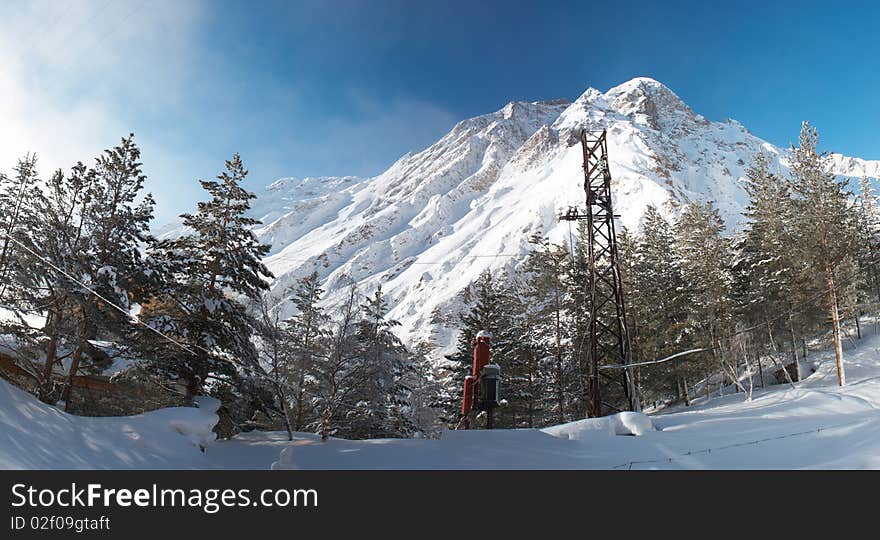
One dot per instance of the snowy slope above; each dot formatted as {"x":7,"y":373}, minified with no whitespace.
{"x":434,"y":220}
{"x":816,"y":424}
{"x":34,"y":435}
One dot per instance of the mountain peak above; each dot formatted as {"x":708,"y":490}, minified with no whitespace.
{"x":650,"y":101}
{"x":644,"y":83}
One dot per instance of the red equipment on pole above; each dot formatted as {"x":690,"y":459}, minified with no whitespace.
{"x":481,"y":352}
{"x":467,"y":403}
{"x":472,"y":398}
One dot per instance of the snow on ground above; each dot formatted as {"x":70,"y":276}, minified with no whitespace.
{"x":814,"y":425}
{"x":37,"y":436}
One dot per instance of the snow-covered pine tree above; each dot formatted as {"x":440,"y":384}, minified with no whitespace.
{"x":576,"y":308}
{"x":85,"y":227}
{"x":58,"y":236}
{"x":657,"y":305}
{"x":426,"y":384}
{"x":768,"y":273}
{"x":826,"y":232}
{"x":207,"y":274}
{"x":626,"y":245}
{"x":114,"y":228}
{"x":15,"y":193}
{"x":22,"y":276}
{"x":705,"y":258}
{"x":522,"y":358}
{"x":544,"y":331}
{"x":868,"y":247}
{"x":382,"y":407}
{"x":307,"y":344}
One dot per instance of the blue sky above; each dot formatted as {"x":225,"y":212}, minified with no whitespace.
{"x":346,"y":87}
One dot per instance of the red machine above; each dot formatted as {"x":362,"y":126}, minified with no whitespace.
{"x":481,"y":352}
{"x":467,"y":402}
{"x":481,"y":387}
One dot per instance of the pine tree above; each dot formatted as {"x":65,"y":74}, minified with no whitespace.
{"x":545,"y":323}
{"x":826,"y":231}
{"x":60,"y":238}
{"x":307,"y":332}
{"x":867,"y":208}
{"x":23,"y":277}
{"x":114,"y":227}
{"x":77,"y":236}
{"x":14,"y":196}
{"x":657,"y":305}
{"x":208,"y":273}
{"x":626,"y":246}
{"x":577,"y":311}
{"x":705,"y":257}
{"x":425,"y":381}
{"x":382,"y":406}
{"x":768,"y":272}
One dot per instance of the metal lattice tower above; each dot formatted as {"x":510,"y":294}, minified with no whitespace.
{"x":609,"y":341}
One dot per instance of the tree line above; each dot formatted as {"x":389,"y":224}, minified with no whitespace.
{"x":805,"y":259}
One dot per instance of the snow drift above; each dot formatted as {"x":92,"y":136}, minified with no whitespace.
{"x":38,"y":436}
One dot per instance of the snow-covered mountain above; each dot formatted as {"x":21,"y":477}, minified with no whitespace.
{"x":434,"y":220}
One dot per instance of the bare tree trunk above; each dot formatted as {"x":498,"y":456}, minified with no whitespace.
{"x":530,"y":410}
{"x":51,"y":354}
{"x":760,"y":369}
{"x":286,"y":411}
{"x":687,"y":398}
{"x":74,"y":363}
{"x":68,"y":386}
{"x":794,"y":356}
{"x":738,"y":385}
{"x":300,"y":399}
{"x":560,"y":391}
{"x":638,"y":371}
{"x":773,"y":352}
{"x":835,"y":321}
{"x":749,"y":371}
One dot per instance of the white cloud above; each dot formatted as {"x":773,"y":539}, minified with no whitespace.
{"x":75,"y":74}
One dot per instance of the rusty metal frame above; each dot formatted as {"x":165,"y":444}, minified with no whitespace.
{"x":608,"y":330}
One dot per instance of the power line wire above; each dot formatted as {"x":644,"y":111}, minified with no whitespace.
{"x":133,"y":318}
{"x":98,"y":295}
